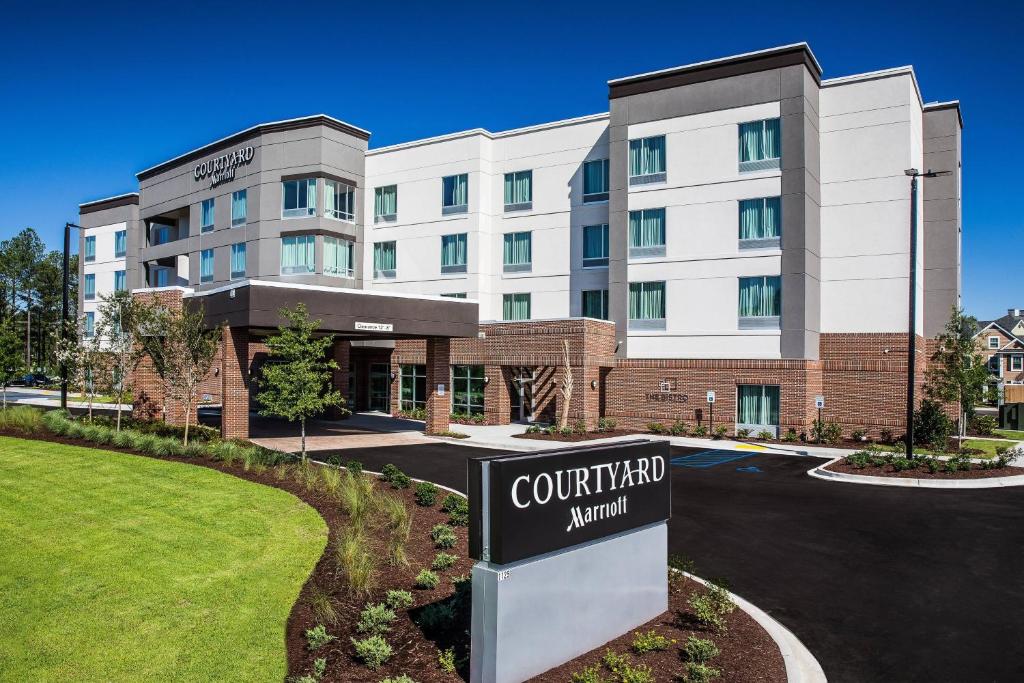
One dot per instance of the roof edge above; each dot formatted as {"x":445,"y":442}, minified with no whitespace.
{"x":875,"y":75}
{"x":125,"y":199}
{"x":950,"y":104}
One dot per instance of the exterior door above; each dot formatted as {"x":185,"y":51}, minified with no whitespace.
{"x":521,"y":395}
{"x":380,"y":387}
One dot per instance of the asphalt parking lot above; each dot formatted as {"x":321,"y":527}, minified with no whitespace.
{"x":881,"y":584}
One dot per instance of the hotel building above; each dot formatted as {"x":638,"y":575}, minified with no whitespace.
{"x":738,"y":226}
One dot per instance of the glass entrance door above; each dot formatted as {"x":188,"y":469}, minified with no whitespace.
{"x":521,"y":395}
{"x":380,"y":387}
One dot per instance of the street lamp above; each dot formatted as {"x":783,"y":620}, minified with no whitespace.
{"x":912,"y":328}
{"x":64,"y":311}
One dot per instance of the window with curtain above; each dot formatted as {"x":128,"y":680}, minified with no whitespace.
{"x":595,"y":246}
{"x":385,"y":259}
{"x":455,"y":194}
{"x":453,"y":253}
{"x":760,"y":145}
{"x":413,"y":394}
{"x":760,"y":297}
{"x":239,"y":207}
{"x":468,"y":389}
{"x":206,"y":265}
{"x":90,"y":324}
{"x":90,"y":248}
{"x":298,"y":254}
{"x":515,"y":306}
{"x":517,"y":254}
{"x":338,"y":261}
{"x":120,"y":243}
{"x":455,"y":295}
{"x":647,"y":233}
{"x":159,"y":277}
{"x":760,"y":222}
{"x":298,"y":198}
{"x":206,"y":215}
{"x":1016,"y":363}
{"x":647,"y":160}
{"x":647,"y":304}
{"x":595,"y":304}
{"x":120,"y":281}
{"x":385,"y":202}
{"x":595,"y":181}
{"x":238,"y":261}
{"x":518,"y":190}
{"x":339,"y":200}
{"x":757,"y":407}
{"x":161,"y":234}
{"x":89,"y":289}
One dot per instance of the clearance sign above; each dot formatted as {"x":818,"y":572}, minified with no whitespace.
{"x":527,"y":504}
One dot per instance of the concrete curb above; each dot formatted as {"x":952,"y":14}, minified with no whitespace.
{"x":801,"y":665}
{"x":820,"y":472}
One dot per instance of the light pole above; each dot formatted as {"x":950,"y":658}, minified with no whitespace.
{"x":912,"y":324}
{"x":64,"y":311}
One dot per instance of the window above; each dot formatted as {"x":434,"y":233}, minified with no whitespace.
{"x":413,"y":387}
{"x":120,"y":281}
{"x":595,"y":304}
{"x":297,"y":255}
{"x":120,"y":243}
{"x":646,"y":305}
{"x":238,"y":261}
{"x":519,"y":191}
{"x":515,"y":306}
{"x":299,"y":198}
{"x":455,"y":295}
{"x":239,"y":207}
{"x":339,"y":200}
{"x":385,"y":259}
{"x":760,"y":222}
{"x":518,"y":252}
{"x":1016,"y":363}
{"x":993,"y":342}
{"x":647,"y":160}
{"x":206,"y":265}
{"x":90,"y":286}
{"x":647,"y":233}
{"x":90,"y":248}
{"x":159,"y":277}
{"x":206,"y":216}
{"x":760,"y":145}
{"x":595,"y":246}
{"x":453,"y":253}
{"x":455,"y":194}
{"x":385,"y":203}
{"x":760,"y":302}
{"x":595,"y":181}
{"x":468,"y":389}
{"x":757,"y":408}
{"x":338,"y":257}
{"x":993,"y":364}
{"x":90,"y":324}
{"x":161,"y":234}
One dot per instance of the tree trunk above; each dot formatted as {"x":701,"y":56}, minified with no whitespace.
{"x":118,"y":411}
{"x":563,"y":418}
{"x":188,"y":414}
{"x":303,"y":421}
{"x":5,"y":396}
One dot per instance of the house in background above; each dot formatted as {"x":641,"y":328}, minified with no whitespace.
{"x":1002,"y":342}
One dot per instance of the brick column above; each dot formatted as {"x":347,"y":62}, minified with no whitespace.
{"x":438,"y":373}
{"x":234,"y":371}
{"x":497,"y":405}
{"x":341,"y":352}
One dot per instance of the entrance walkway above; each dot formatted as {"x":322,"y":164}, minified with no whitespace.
{"x":362,"y":430}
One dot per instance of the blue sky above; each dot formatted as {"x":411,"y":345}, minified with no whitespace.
{"x":94,"y":92}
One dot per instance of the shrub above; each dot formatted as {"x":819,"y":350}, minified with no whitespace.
{"x":458,"y":515}
{"x":318,"y":636}
{"x":398,"y":523}
{"x":374,"y":651}
{"x":711,"y":606}
{"x":437,"y":616}
{"x":1006,"y":456}
{"x":983,"y":425}
{"x":859,"y":460}
{"x":355,"y":494}
{"x":450,"y":502}
{"x":354,"y":467}
{"x":396,"y":477}
{"x":323,"y":610}
{"x":427,"y":580}
{"x":932,"y":427}
{"x":700,"y":431}
{"x":404,"y":678}
{"x":789,"y":436}
{"x":743,"y":433}
{"x":75,"y":428}
{"x":606,"y":424}
{"x":656,"y":428}
{"x":443,"y":536}
{"x":443,"y":561}
{"x":397,"y":600}
{"x":886,"y":435}
{"x":446,"y":660}
{"x":565,"y":431}
{"x":330,"y":481}
{"x":355,"y":561}
{"x":319,"y":667}
{"x":375,"y":619}
{"x":649,"y":642}
{"x":426,"y":494}
{"x":679,"y":428}
{"x":765,"y":435}
{"x":700,"y":673}
{"x":720,"y":432}
{"x":700,"y":650}
{"x":591,"y":674}
{"x":533,"y":429}
{"x":123,"y":439}
{"x":827,"y":432}
{"x":614,"y":662}
{"x":859,"y":435}
{"x":21,"y":419}
{"x":580,"y":427}
{"x":148,"y":443}
{"x":640,"y":673}
{"x":56,"y":421}
{"x":551,"y":431}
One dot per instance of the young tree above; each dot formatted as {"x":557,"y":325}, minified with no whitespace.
{"x":958,"y":372}
{"x":85,"y":360}
{"x":11,"y":358}
{"x":566,"y":388}
{"x":189,"y":350}
{"x":295,"y":385}
{"x":119,"y":321}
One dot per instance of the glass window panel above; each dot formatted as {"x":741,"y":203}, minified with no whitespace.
{"x":647,"y":156}
{"x":90,"y":248}
{"x":757,"y":405}
{"x":206,"y":215}
{"x":337,"y":257}
{"x":385,"y":258}
{"x":595,"y":180}
{"x":468,"y":389}
{"x":299,"y":198}
{"x":453,"y":250}
{"x":760,"y":140}
{"x":206,"y":265}
{"x":298,"y":254}
{"x":518,"y":187}
{"x":239,"y":207}
{"x":646,"y":300}
{"x":595,"y":303}
{"x":455,"y":190}
{"x":120,"y":243}
{"x":595,"y":243}
{"x":238,"y":260}
{"x":90,"y":286}
{"x":120,"y":281}
{"x":760,"y":296}
{"x":518,"y":248}
{"x":385,"y":201}
{"x":515,"y":306}
{"x":647,"y":228}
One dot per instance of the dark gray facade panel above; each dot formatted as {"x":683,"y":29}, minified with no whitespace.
{"x":941,"y":220}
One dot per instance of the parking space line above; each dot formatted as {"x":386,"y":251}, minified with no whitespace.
{"x":706,"y":459}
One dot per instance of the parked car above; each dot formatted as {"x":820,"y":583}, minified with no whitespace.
{"x":36,"y":379}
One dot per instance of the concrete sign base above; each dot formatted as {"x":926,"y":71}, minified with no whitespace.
{"x":535,"y":614}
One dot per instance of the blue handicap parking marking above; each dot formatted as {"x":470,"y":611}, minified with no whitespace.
{"x":706,"y":459}
{"x":751,"y":468}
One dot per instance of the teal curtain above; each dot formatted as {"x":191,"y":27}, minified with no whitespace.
{"x":339,"y":200}
{"x":90,"y":248}
{"x":299,"y":197}
{"x":297,"y":254}
{"x":120,"y":281}
{"x":595,"y":303}
{"x":120,"y":243}
{"x":646,"y":300}
{"x":518,"y":248}
{"x":90,"y":286}
{"x":206,"y":265}
{"x":647,"y":156}
{"x":90,"y":324}
{"x":757,"y":405}
{"x":385,"y":256}
{"x":238,"y":260}
{"x":595,"y":241}
{"x":455,"y":190}
{"x":760,"y":297}
{"x":453,"y":250}
{"x":595,"y":177}
{"x":647,"y":228}
{"x":238,"y":207}
{"x":760,"y":218}
{"x":519,"y":187}
{"x":455,"y":295}
{"x":385,"y":201}
{"x":337,"y":257}
{"x":206,"y":217}
{"x":760,"y":140}
{"x":515,"y":307}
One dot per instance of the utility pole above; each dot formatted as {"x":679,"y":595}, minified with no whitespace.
{"x":64,"y":310}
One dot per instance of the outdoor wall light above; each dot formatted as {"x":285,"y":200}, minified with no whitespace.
{"x":593,"y":384}
{"x":487,"y":380}
{"x":393,"y":376}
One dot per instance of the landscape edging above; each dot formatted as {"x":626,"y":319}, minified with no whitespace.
{"x":820,"y":472}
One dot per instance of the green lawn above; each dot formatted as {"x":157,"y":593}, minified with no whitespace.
{"x":116,"y":567}
{"x":1008,"y":434}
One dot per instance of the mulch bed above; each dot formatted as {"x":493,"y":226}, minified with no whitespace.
{"x":976,"y":471}
{"x":589,"y":436}
{"x":748,"y":653}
